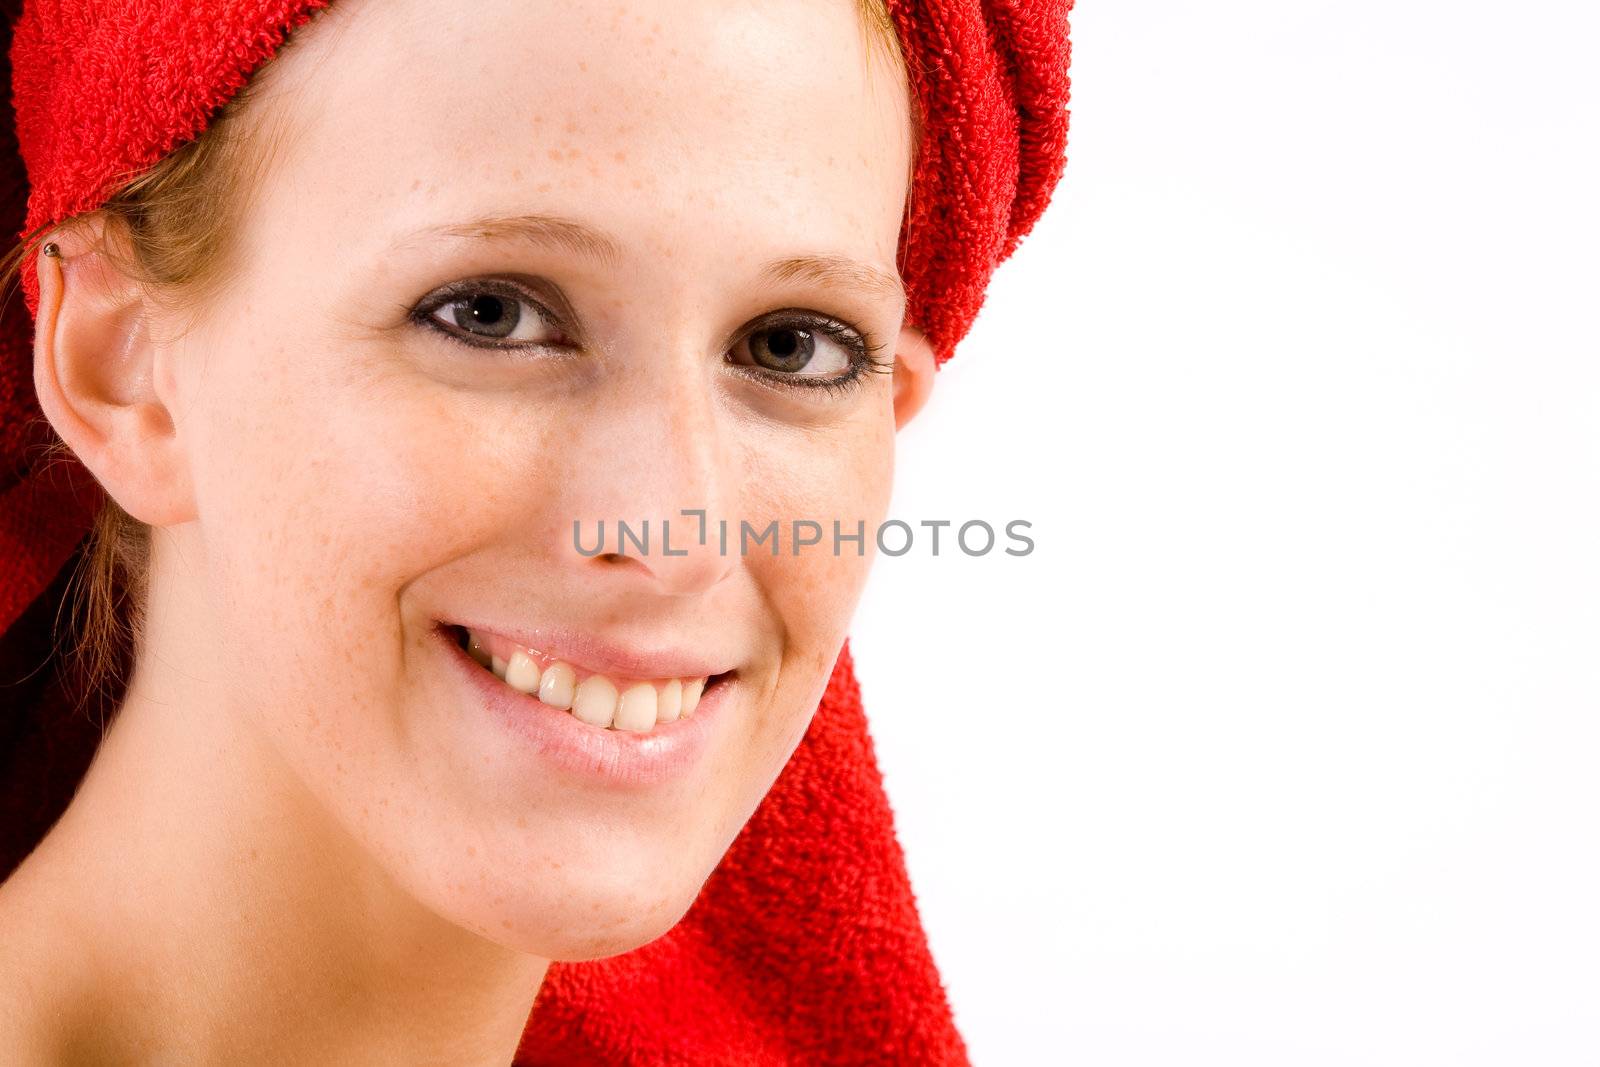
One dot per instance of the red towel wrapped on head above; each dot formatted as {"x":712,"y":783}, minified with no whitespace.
{"x":805,"y":945}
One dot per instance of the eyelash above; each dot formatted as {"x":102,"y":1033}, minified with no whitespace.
{"x":864,"y":358}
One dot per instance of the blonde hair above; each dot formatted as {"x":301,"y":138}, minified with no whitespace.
{"x":177,"y":217}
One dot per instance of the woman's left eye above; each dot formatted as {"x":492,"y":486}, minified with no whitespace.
{"x":491,"y":315}
{"x":807,"y":350}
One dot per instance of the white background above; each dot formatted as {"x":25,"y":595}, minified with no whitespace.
{"x":1282,"y":747}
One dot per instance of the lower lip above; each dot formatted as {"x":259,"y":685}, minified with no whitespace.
{"x":669,"y":751}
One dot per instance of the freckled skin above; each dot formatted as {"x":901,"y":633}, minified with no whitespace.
{"x":356,"y":477}
{"x":435,"y":489}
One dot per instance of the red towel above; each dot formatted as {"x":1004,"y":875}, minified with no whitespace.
{"x":805,"y":944}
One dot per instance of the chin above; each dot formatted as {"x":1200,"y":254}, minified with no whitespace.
{"x":567,"y":910}
{"x":572,"y":929}
{"x":575,"y":945}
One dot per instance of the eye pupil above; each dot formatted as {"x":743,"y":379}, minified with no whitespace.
{"x":487,"y":314}
{"x":487,"y":309}
{"x":784,"y":349}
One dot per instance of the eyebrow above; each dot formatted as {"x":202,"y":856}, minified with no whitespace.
{"x":839,"y":271}
{"x":542,"y":230}
{"x":825,"y":269}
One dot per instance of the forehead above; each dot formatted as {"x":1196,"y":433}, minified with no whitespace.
{"x":762,"y":129}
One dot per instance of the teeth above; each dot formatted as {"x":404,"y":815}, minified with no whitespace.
{"x":636,"y":710}
{"x":691,"y":695}
{"x":522,"y":673}
{"x":670,"y":703}
{"x":557,"y":687}
{"x":596,"y":700}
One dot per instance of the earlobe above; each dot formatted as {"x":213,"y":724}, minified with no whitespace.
{"x":915,"y":368}
{"x":93,"y":371}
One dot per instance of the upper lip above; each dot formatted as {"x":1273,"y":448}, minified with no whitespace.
{"x":598,"y":655}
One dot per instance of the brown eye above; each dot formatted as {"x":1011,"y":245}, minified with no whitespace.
{"x":804,"y":350}
{"x":786,"y":348}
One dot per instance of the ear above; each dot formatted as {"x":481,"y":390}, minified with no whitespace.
{"x":914,"y":371}
{"x":97,"y":374}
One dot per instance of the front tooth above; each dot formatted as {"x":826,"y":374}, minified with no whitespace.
{"x":596,"y":702}
{"x":670,"y":703}
{"x":498,"y":665}
{"x":556,"y":688}
{"x":636,"y":710}
{"x":691,"y":695}
{"x":522,"y":673}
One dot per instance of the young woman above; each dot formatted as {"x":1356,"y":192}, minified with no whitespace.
{"x":363,"y":370}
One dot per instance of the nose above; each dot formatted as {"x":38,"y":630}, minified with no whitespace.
{"x":655,"y":484}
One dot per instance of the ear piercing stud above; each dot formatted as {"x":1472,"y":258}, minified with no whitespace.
{"x":52,"y":249}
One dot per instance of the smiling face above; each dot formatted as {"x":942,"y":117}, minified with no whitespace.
{"x":544,"y":266}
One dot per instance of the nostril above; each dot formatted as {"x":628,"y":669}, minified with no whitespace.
{"x":623,"y":561}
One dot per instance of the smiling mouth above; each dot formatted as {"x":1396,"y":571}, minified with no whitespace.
{"x":637,"y":705}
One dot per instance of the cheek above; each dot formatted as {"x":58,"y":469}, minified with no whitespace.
{"x":332,"y":483}
{"x":844,"y":477}
{"x":320,"y":497}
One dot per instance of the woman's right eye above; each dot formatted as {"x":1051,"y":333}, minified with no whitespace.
{"x":491,"y":315}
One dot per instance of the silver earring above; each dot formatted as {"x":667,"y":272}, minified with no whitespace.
{"x":52,"y":249}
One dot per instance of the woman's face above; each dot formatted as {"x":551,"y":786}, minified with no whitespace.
{"x":397,"y":414}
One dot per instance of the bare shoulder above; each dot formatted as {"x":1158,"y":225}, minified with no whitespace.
{"x":35,"y":1015}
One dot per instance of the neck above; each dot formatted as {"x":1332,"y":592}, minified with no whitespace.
{"x":196,"y":901}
